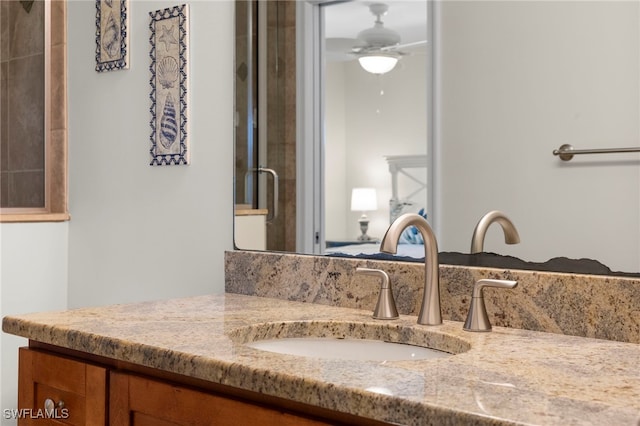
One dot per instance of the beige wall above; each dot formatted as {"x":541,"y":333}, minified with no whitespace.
{"x":139,"y":232}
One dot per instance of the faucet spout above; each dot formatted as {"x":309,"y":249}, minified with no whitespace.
{"x":511,"y":235}
{"x":430,"y":313}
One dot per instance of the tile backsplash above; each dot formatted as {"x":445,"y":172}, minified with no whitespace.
{"x":602,"y":307}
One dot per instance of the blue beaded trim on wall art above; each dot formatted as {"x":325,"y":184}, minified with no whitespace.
{"x":111,"y":35}
{"x":169,"y":40}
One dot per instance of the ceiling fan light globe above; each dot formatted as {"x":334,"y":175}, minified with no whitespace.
{"x":378,"y":64}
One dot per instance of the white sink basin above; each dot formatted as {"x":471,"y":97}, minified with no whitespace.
{"x":349,"y":340}
{"x":348,"y":349}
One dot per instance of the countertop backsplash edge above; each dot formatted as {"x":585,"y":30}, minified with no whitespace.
{"x":602,"y":307}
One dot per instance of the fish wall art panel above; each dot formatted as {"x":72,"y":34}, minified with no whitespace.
{"x":112,"y":50}
{"x":169,"y":48}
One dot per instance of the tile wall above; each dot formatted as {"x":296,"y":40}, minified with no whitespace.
{"x":22,"y":126}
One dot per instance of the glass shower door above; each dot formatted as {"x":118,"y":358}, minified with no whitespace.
{"x":265,"y":118}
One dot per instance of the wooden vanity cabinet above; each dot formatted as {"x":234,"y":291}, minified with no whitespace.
{"x":76,"y":390}
{"x":140,"y":401}
{"x":99,"y":391}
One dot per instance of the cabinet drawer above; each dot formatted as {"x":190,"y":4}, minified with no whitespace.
{"x":140,"y":401}
{"x":76,"y":390}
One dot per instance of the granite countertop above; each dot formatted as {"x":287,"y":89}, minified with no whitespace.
{"x":508,"y":376}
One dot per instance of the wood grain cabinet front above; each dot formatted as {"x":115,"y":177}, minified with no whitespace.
{"x":140,"y":401}
{"x":55,"y":390}
{"x":62,"y":387}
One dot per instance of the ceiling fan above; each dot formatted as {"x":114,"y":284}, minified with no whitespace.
{"x":378,"y":48}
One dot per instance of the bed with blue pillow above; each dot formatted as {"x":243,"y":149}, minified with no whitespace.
{"x":405,"y":198}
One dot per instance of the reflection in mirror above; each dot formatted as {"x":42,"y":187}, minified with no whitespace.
{"x":375,"y":123}
{"x":517,"y":80}
{"x":512,"y":81}
{"x":265,"y":181}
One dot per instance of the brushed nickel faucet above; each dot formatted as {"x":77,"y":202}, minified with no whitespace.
{"x":386,"y":307}
{"x":477,"y":318}
{"x":430,"y":313}
{"x":510,"y":232}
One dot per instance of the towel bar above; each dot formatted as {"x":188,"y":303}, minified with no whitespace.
{"x":566,"y":151}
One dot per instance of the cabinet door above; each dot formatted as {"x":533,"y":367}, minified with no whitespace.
{"x":139,"y":401}
{"x":53,"y":390}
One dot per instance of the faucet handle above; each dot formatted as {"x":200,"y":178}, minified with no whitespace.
{"x":477,"y":319}
{"x":386,"y":306}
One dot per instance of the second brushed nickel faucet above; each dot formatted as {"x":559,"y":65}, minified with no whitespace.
{"x":386,"y":306}
{"x":430,"y":313}
{"x":477,"y":318}
{"x":511,"y":235}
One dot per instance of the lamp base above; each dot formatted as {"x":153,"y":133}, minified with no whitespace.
{"x":364,"y":227}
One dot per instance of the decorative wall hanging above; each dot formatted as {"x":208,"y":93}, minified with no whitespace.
{"x":169,"y":35}
{"x":112,"y":51}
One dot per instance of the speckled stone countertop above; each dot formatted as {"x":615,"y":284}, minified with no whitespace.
{"x":601,"y":307}
{"x":507,"y":376}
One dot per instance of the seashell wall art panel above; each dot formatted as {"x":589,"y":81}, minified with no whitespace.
{"x":112,"y":50}
{"x":169,"y":47}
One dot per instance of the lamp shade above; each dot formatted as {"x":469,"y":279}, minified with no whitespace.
{"x":364,"y":199}
{"x":378,"y":63}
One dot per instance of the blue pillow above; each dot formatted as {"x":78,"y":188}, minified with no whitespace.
{"x":411,"y":235}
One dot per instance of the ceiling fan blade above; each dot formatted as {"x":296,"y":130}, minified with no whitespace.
{"x":405,"y":45}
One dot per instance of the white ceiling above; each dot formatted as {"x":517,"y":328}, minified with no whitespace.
{"x":347,"y":19}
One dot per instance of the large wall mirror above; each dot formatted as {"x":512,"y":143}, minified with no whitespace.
{"x":496,"y":88}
